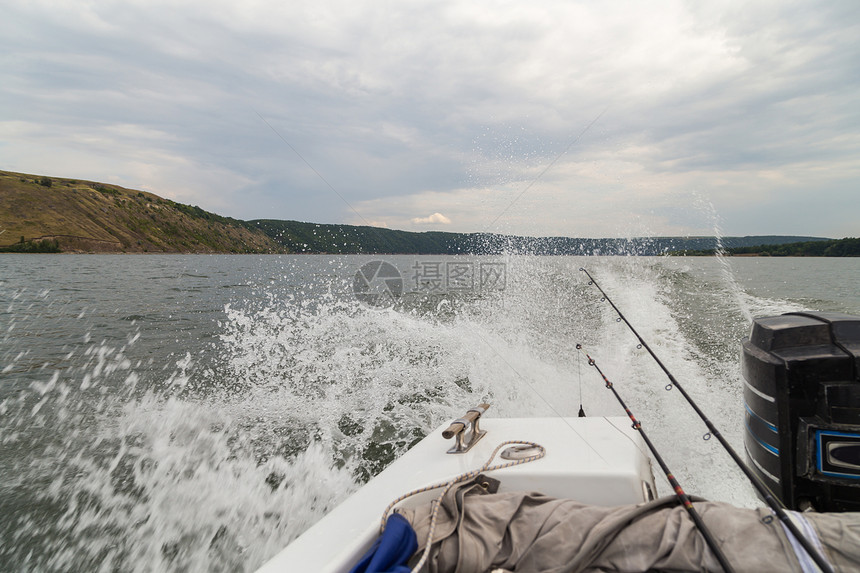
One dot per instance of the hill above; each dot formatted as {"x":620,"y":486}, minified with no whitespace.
{"x":39,"y":213}
{"x":45,"y":214}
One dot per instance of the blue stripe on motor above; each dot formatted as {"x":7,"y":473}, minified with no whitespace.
{"x":768,"y":447}
{"x":772,"y":427}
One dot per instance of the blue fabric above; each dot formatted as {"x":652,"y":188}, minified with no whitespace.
{"x":391,"y":550}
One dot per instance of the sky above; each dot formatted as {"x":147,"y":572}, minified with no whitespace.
{"x":543,"y":118}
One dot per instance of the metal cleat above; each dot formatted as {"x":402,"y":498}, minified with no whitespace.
{"x":465,"y":439}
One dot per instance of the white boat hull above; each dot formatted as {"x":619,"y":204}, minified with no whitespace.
{"x":599,"y":461}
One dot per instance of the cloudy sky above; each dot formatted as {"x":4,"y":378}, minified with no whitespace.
{"x":576,"y":118}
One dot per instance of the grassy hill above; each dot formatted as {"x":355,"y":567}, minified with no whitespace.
{"x":44,"y":214}
{"x":37,"y":213}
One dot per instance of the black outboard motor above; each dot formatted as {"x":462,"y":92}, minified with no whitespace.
{"x":802,"y":399}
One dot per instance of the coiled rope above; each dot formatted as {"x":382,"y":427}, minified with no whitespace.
{"x":447,"y":485}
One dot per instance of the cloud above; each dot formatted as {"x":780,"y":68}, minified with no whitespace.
{"x":435,"y":218}
{"x":446,"y":106}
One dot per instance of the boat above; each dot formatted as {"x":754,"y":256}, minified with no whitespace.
{"x":593,"y":460}
{"x":801,"y":376}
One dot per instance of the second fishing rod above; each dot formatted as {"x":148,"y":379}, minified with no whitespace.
{"x":682,"y":496}
{"x":759,"y":486}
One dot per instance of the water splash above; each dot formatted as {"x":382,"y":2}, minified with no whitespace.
{"x":706,"y":206}
{"x":212,"y":451}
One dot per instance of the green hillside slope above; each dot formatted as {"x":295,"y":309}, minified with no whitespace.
{"x":83,"y":216}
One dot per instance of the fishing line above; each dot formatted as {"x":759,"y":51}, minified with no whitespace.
{"x":281,"y":137}
{"x":548,"y":167}
{"x":539,"y":395}
{"x":579,"y":376}
{"x":499,"y":354}
{"x":679,"y":491}
{"x":762,"y":489}
{"x":374,"y":229}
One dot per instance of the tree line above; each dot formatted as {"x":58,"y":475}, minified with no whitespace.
{"x":848,"y":247}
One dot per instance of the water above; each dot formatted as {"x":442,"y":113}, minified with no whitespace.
{"x":196,"y":413}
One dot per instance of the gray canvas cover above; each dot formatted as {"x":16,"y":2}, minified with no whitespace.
{"x":516,"y":531}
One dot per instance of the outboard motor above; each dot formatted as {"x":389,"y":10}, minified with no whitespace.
{"x":802,"y":399}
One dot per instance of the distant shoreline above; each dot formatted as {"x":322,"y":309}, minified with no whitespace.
{"x":40,"y":214}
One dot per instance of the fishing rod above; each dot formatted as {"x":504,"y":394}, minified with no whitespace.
{"x":679,"y":491}
{"x":760,"y":487}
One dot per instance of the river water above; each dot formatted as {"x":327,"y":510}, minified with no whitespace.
{"x":196,"y":413}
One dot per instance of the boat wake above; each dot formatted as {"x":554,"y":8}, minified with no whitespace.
{"x":215,"y":459}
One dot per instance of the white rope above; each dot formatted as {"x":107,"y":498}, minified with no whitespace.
{"x":447,"y":485}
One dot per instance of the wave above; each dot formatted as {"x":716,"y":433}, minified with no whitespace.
{"x":216,"y":455}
